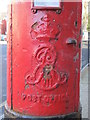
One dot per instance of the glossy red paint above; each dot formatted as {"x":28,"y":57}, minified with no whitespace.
{"x":44,"y":59}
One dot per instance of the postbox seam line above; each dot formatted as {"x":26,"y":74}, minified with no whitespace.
{"x":11,"y":64}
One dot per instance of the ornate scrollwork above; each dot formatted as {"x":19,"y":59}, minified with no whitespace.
{"x":45,"y":76}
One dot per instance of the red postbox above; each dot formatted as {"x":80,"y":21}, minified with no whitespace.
{"x":3,"y":27}
{"x":43,"y":64}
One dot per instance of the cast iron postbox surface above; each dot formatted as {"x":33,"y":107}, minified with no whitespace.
{"x":43,"y":70}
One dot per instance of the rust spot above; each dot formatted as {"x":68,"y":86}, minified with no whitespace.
{"x":53,"y":20}
{"x":64,"y":77}
{"x":57,"y":85}
{"x":26,"y":87}
{"x":45,"y":18}
{"x":58,"y":11}
{"x":46,"y":70}
{"x":76,"y":70}
{"x":56,"y":39}
{"x":23,"y":96}
{"x":80,"y":31}
{"x":34,"y":11}
{"x":76,"y":23}
{"x":80,"y":45}
{"x":34,"y":25}
{"x":76,"y":57}
{"x":57,"y":35}
{"x":52,"y":97}
{"x":33,"y":84}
